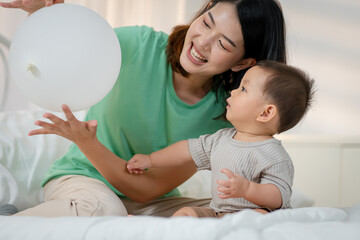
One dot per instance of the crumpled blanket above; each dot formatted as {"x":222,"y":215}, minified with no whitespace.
{"x":295,"y":224}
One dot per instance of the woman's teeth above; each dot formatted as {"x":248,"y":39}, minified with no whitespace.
{"x":196,"y":56}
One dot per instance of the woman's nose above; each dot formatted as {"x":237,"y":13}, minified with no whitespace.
{"x":205,"y":42}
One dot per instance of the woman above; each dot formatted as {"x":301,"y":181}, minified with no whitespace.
{"x":169,"y":89}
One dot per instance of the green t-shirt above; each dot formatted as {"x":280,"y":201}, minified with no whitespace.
{"x":142,"y":112}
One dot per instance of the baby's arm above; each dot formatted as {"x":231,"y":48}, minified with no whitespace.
{"x":174,"y":155}
{"x":264,"y":195}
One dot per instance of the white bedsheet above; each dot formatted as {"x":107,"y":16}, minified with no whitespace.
{"x":294,"y":224}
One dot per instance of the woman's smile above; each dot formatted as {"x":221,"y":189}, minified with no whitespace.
{"x":195,"y":56}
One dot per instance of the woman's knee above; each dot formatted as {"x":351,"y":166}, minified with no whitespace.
{"x":94,"y":206}
{"x":87,"y":196}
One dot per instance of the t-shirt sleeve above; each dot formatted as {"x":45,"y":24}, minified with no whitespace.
{"x":281,"y":175}
{"x":201,"y":149}
{"x":130,"y":38}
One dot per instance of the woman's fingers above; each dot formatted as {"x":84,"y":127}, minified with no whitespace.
{"x":49,"y":126}
{"x":39,"y":131}
{"x":70,"y":128}
{"x":91,"y":125}
{"x":69,"y":115}
{"x":55,"y":119}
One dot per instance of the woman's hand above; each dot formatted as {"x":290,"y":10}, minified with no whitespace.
{"x":76,"y":131}
{"x":236,"y":187}
{"x":30,"y":6}
{"x":138,"y":163}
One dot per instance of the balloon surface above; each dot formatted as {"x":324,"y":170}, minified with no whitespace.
{"x":65,"y":54}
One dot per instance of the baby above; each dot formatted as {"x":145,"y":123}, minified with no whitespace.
{"x":250,"y":168}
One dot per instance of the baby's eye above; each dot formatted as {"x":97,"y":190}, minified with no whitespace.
{"x":242,"y":89}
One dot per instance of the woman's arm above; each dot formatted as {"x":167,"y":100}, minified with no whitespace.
{"x":142,"y":188}
{"x":30,"y":6}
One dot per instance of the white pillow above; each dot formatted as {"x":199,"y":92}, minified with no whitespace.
{"x":24,"y":161}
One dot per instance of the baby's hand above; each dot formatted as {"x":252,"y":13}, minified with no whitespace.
{"x":236,"y":187}
{"x":138,"y":163}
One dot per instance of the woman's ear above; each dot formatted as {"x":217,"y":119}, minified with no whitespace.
{"x":268,"y":113}
{"x":243,"y":64}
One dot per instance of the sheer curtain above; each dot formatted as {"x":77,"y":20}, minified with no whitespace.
{"x":10,"y":98}
{"x":160,"y":14}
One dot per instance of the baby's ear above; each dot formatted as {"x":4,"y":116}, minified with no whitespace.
{"x":267,"y":114}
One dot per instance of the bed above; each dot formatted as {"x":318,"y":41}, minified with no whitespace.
{"x":24,"y":160}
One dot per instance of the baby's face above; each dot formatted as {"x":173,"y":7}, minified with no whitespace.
{"x":248,"y":101}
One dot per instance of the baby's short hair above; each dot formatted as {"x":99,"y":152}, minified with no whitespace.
{"x":291,"y":89}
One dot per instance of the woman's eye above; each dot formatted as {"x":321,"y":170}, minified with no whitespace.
{"x":207,"y":25}
{"x":243,"y":89}
{"x":222,"y":46}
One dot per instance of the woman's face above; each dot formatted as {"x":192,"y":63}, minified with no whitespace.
{"x":214,"y":42}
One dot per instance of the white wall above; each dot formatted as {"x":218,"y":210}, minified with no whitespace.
{"x":326,"y":168}
{"x":323,"y":39}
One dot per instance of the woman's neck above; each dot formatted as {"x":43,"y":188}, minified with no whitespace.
{"x":191,"y":89}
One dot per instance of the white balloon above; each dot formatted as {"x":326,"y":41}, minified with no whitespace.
{"x":65,"y":54}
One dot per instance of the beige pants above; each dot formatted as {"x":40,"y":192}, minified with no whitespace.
{"x":75,"y":195}
{"x":205,"y":212}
